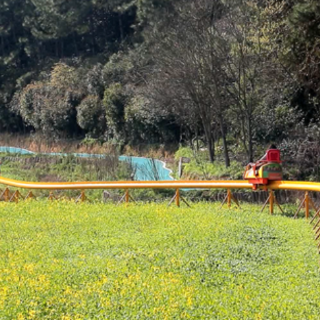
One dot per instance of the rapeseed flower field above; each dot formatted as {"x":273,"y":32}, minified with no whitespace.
{"x":60,"y":260}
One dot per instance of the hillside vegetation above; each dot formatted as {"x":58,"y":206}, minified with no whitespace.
{"x":231,"y":76}
{"x":59,"y":260}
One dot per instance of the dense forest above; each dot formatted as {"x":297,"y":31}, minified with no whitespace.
{"x":232,"y":75}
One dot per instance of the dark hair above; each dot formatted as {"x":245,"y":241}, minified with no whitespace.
{"x":272,"y":146}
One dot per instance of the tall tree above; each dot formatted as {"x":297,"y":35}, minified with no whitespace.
{"x":188,"y":63}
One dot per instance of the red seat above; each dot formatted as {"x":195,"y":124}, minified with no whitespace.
{"x":273,"y":155}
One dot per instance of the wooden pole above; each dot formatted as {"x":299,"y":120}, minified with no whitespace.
{"x":15,"y":197}
{"x":178,"y":197}
{"x":52,"y":196}
{"x":229,"y":198}
{"x":127,"y":196}
{"x":6,"y":194}
{"x":83,"y":196}
{"x":307,"y":202}
{"x":30,"y":195}
{"x":272,"y":200}
{"x":271,"y":196}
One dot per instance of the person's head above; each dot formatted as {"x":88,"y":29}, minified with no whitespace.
{"x":272,"y":146}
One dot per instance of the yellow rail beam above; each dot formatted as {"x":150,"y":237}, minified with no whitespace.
{"x":127,"y":184}
{"x":211,"y":184}
{"x":294,"y":185}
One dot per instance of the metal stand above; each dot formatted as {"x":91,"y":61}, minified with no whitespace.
{"x":5,"y":195}
{"x":52,"y":196}
{"x":271,"y":200}
{"x":126,"y":197}
{"x":30,"y":195}
{"x":177,"y":197}
{"x":16,"y":196}
{"x":228,"y":199}
{"x":82,"y":197}
{"x":307,"y":201}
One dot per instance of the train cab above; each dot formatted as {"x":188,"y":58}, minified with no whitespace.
{"x":267,"y":169}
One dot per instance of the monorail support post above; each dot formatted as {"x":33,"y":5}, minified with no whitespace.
{"x":6,"y":195}
{"x":178,"y":198}
{"x":229,"y":198}
{"x":52,"y":196}
{"x":127,"y":196}
{"x":16,"y":196}
{"x":30,"y":195}
{"x":83,"y":196}
{"x":271,"y":200}
{"x":307,"y":201}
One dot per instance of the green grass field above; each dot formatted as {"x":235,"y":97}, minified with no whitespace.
{"x":60,"y":260}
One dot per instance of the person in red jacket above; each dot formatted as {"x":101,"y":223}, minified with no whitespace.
{"x":256,"y":165}
{"x":271,"y":147}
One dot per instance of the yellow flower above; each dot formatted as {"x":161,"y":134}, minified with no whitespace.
{"x":3,"y":291}
{"x":33,"y":303}
{"x":32,"y":314}
{"x":20,"y":316}
{"x":29,"y":267}
{"x":104,"y":279}
{"x":184,"y":315}
{"x":105,"y":302}
{"x":68,"y":290}
{"x":42,"y":278}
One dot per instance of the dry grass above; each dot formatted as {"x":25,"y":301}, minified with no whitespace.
{"x":38,"y":143}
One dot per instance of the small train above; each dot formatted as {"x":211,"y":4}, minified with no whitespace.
{"x":267,"y":169}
